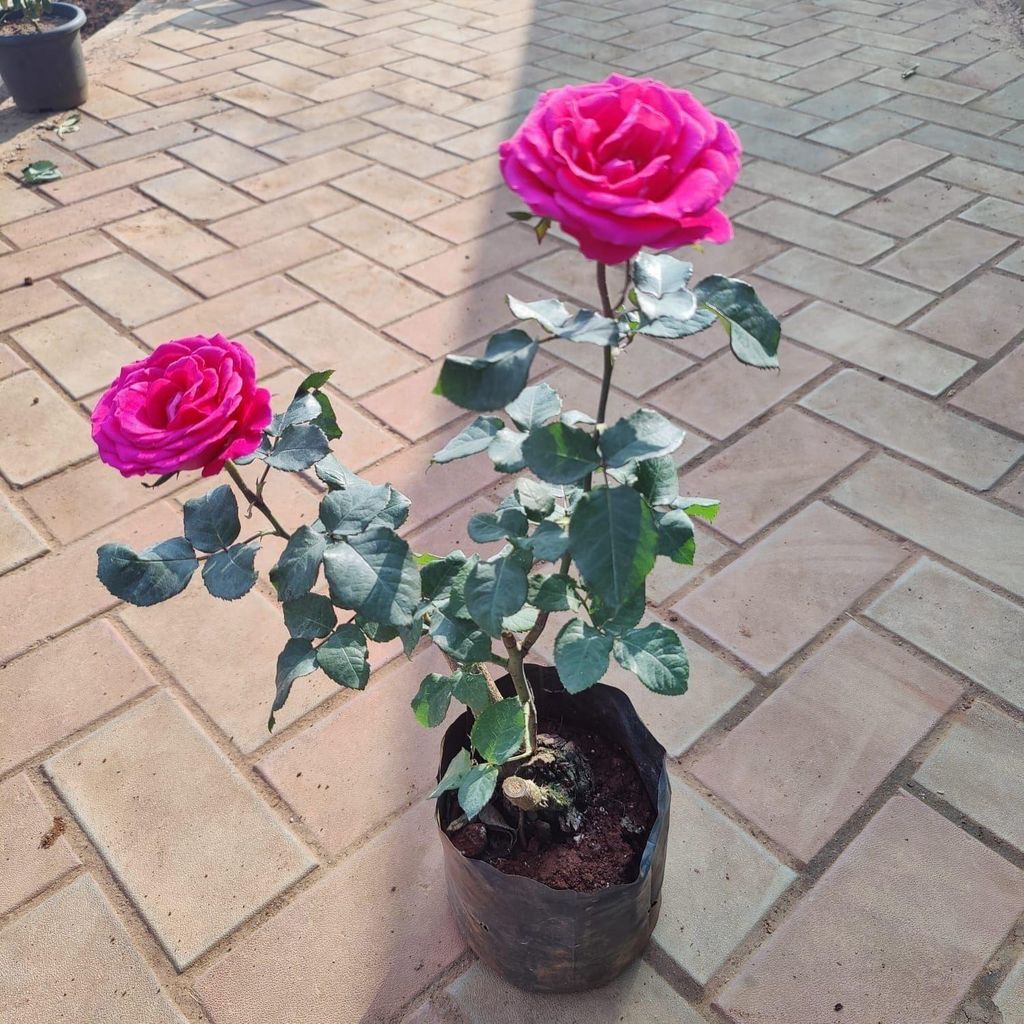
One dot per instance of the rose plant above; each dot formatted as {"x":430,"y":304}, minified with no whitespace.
{"x":623,"y":166}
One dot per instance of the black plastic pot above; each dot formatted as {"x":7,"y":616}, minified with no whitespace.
{"x":46,"y":70}
{"x":554,"y":940}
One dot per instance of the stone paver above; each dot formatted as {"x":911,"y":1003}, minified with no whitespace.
{"x":977,"y":769}
{"x":70,"y":958}
{"x":719,"y":882}
{"x":638,"y":993}
{"x":322,"y":183}
{"x":959,"y":622}
{"x":126,"y":784}
{"x":772,"y":600}
{"x":895,"y":930}
{"x":916,"y":505}
{"x":355,"y":946}
{"x":769,"y":471}
{"x":19,"y":542}
{"x":927,"y":433}
{"x":26,"y":865}
{"x":814,"y":751}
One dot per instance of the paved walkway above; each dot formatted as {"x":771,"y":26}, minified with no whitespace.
{"x":320,"y":180}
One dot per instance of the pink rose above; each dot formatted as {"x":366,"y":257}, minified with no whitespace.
{"x":191,"y":404}
{"x":623,"y":164}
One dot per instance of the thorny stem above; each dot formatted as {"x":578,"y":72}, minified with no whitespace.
{"x":523,"y":689}
{"x":255,"y":499}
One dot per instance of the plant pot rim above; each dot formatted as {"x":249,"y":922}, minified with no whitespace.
{"x":76,"y":14}
{"x":571,"y":895}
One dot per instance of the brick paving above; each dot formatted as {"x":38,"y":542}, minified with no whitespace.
{"x":321,"y":181}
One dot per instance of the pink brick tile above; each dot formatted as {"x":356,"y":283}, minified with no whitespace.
{"x":816,"y":749}
{"x":231,"y":314}
{"x":26,"y":866}
{"x":410,"y":407}
{"x":996,"y":394}
{"x":223,"y":158}
{"x":233,"y":269}
{"x":354,"y":947}
{"x":72,"y":219}
{"x":231,"y":854}
{"x":52,"y":258}
{"x":342,"y":798}
{"x":980,"y":318}
{"x":23,"y":305}
{"x":19,"y":541}
{"x":187,"y":636}
{"x":63,"y":686}
{"x":114,"y":176}
{"x":722,"y":396}
{"x":71,"y":957}
{"x":472,"y":262}
{"x":17,"y":201}
{"x":778,"y":595}
{"x":300,"y":174}
{"x":455,"y":322}
{"x":31,"y":614}
{"x":896,"y":930}
{"x":166,"y":239}
{"x":321,"y":336}
{"x":472,"y":217}
{"x":195,"y":195}
{"x":395,"y":192}
{"x":770,"y":470}
{"x":281,"y":215}
{"x":379,"y":235}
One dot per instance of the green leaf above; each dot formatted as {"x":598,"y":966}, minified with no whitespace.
{"x":624,"y":617}
{"x":304,"y":408}
{"x":374,"y":573}
{"x":456,"y":771}
{"x":39,"y":172}
{"x":344,"y":658}
{"x":666,"y":327}
{"x":333,"y":473}
{"x":537,"y":499}
{"x":150,"y":576}
{"x":211,"y":521}
{"x":705,"y":508}
{"x":327,"y":421}
{"x":656,"y":655}
{"x":437,"y":575}
{"x":361,"y":505}
{"x":296,"y":660}
{"x":521,"y":621}
{"x":231,"y":574}
{"x":675,"y":536}
{"x":645,"y":434}
{"x":309,"y":617}
{"x":430,"y":705}
{"x":657,"y":480}
{"x":549,"y":541}
{"x":471,"y":688}
{"x":540,"y":229}
{"x":477,"y":788}
{"x":753,"y":332}
{"x":495,"y":589}
{"x":499,"y":732}
{"x":556,"y":593}
{"x":535,"y":406}
{"x":560,"y":454}
{"x":584,"y":325}
{"x":315,"y":381}
{"x":490,"y":381}
{"x":458,"y":638}
{"x":299,"y":447}
{"x":474,"y":438}
{"x":297,"y":568}
{"x":506,"y":451}
{"x":659,"y":283}
{"x":581,"y":655}
{"x":486,"y":527}
{"x":519,"y":215}
{"x":613,"y":542}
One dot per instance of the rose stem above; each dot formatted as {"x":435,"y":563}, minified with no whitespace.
{"x":602,"y":408}
{"x":254,"y":499}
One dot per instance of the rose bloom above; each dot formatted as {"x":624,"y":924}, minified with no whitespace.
{"x":191,"y":404}
{"x":623,"y":164}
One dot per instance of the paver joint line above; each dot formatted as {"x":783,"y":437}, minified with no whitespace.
{"x":321,"y":182}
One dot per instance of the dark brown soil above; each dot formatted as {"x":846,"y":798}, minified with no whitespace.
{"x":615,"y":828}
{"x":24,"y":27}
{"x":101,"y":12}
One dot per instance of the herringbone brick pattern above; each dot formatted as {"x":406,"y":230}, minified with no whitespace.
{"x":320,"y":180}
